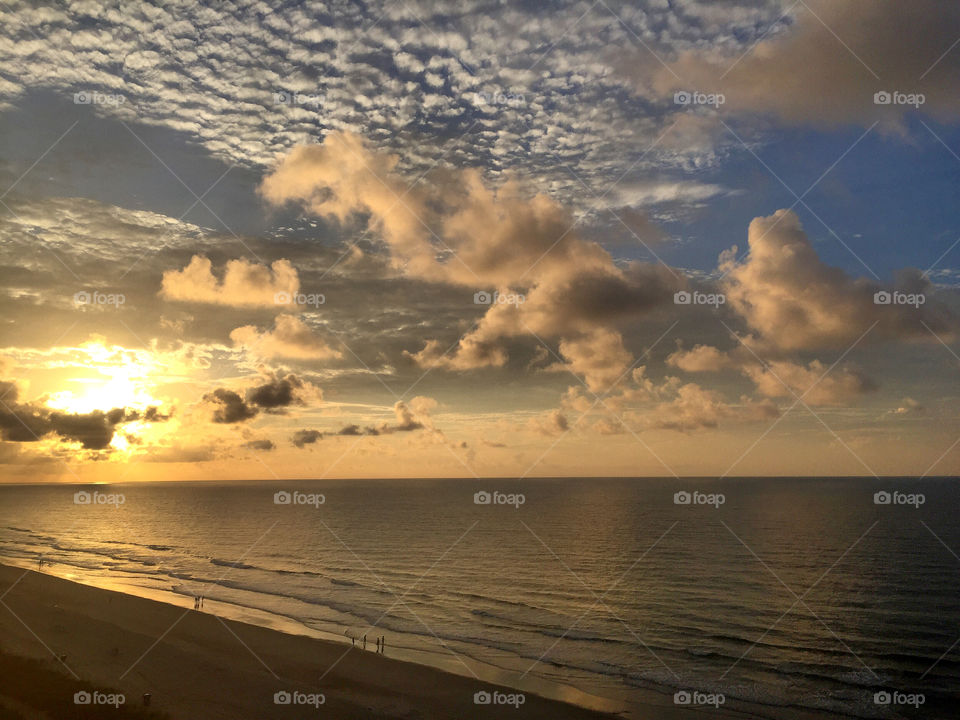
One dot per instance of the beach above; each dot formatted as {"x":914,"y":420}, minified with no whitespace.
{"x":195,"y":665}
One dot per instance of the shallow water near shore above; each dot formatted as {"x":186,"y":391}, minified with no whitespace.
{"x":802,"y":593}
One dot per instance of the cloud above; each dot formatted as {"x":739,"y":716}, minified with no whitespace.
{"x":290,"y":338}
{"x":229,"y":407}
{"x":259,"y":444}
{"x":273,"y":396}
{"x":702,"y":358}
{"x":598,"y":357}
{"x":244,"y":284}
{"x":815,"y":383}
{"x":910,"y":408}
{"x":463,"y":233}
{"x":553,"y":422}
{"x":823,"y":66}
{"x":31,"y":422}
{"x":302,"y":438}
{"x":794,"y":301}
{"x":781,"y":378}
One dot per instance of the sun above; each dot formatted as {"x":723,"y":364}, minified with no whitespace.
{"x":106,"y":378}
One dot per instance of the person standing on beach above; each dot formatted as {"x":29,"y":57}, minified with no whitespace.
{"x":383,"y":642}
{"x":364,"y":641}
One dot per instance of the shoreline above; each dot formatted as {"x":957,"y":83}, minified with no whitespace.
{"x":196,"y":664}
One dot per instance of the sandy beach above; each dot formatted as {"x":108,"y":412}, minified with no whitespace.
{"x":61,"y":636}
{"x":196,"y":665}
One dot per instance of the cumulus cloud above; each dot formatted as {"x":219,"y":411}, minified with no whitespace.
{"x":408,"y":418}
{"x":273,"y":396}
{"x":782,"y":378}
{"x":229,"y":407}
{"x":243,"y":284}
{"x":794,"y":301}
{"x":468,"y":235}
{"x":814,"y":383}
{"x":302,"y":438}
{"x":553,"y":422}
{"x":824,"y":67}
{"x":290,"y":338}
{"x":598,"y":357}
{"x":702,"y":358}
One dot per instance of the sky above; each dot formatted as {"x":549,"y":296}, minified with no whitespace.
{"x":474,"y":239}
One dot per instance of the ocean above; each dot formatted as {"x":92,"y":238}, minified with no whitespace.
{"x":832,"y":594}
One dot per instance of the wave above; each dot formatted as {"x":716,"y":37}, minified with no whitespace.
{"x":236,"y":564}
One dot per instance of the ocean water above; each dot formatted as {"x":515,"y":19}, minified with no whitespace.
{"x":801,"y":593}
